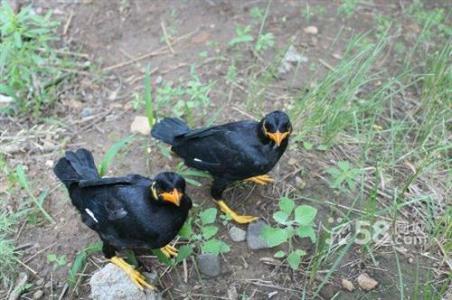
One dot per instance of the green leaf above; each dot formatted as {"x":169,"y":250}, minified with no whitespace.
{"x":294,"y":258}
{"x":162,"y":257}
{"x":307,"y":231}
{"x":280,"y":254}
{"x":112,"y":152}
{"x":305,"y":214}
{"x":215,"y":246}
{"x":209,"y":231}
{"x":274,"y":236}
{"x":186,"y":231}
{"x":280,"y":217}
{"x":208,"y":216}
{"x":286,"y":205}
{"x":184,"y":252}
{"x":22,"y":177}
{"x":76,"y":268}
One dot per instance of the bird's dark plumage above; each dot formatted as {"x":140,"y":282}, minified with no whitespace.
{"x":229,"y":152}
{"x":127,"y":212}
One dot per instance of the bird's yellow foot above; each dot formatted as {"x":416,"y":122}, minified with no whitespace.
{"x":262,"y":179}
{"x":169,"y":251}
{"x":234,"y":216}
{"x":134,"y":275}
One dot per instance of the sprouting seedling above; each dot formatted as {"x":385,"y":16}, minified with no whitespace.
{"x":189,"y":174}
{"x":242,"y":35}
{"x":301,"y":225}
{"x":343,"y":174}
{"x":112,"y":152}
{"x":80,"y":261}
{"x":57,"y":260}
{"x":39,"y":202}
{"x":148,"y":97}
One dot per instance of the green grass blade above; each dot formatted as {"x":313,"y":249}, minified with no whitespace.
{"x":112,"y":152}
{"x":148,"y":97}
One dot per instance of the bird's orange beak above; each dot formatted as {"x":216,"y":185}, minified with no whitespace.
{"x":174,"y":196}
{"x":278,"y":137}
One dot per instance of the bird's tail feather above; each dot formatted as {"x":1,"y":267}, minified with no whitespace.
{"x":168,"y":129}
{"x":76,"y":166}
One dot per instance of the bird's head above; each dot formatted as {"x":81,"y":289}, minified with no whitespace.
{"x":276,"y":127}
{"x":168,"y":187}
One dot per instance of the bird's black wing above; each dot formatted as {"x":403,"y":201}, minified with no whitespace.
{"x":106,"y":181}
{"x":225,"y":150}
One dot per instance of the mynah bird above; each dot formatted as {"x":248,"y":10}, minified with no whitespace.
{"x":131,"y":212}
{"x":244,"y":150}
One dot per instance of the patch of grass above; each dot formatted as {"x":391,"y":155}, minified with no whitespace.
{"x":57,"y":261}
{"x":8,"y":255}
{"x":30,"y":66}
{"x":301,"y":226}
{"x":344,"y":174}
{"x":80,"y":261}
{"x":190,"y":175}
{"x":347,"y":7}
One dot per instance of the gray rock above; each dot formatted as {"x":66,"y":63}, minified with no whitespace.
{"x":38,"y":295}
{"x":86,"y":112}
{"x":209,"y":264}
{"x":237,"y":234}
{"x":110,"y":283}
{"x":253,"y":237}
{"x":291,"y":58}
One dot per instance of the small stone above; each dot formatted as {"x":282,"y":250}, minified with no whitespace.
{"x":300,"y":183}
{"x":209,"y":264}
{"x":366,"y":282}
{"x":86,"y":112}
{"x":232,"y":293}
{"x":237,"y":234}
{"x":140,"y":125}
{"x":49,"y":163}
{"x":347,"y":284}
{"x":158,"y":80}
{"x":410,"y":260}
{"x":311,"y":30}
{"x":292,"y":161}
{"x":38,"y":294}
{"x":292,"y":57}
{"x":48,"y":285}
{"x":5,"y":100}
{"x":253,"y":237}
{"x":111,"y":283}
{"x":39,"y":282}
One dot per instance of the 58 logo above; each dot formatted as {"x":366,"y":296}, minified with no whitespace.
{"x":362,"y":231}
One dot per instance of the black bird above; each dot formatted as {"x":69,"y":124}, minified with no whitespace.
{"x":229,"y":152}
{"x":131,"y":212}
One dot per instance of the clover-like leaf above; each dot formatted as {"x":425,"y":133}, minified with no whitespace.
{"x":215,"y":246}
{"x":280,"y":254}
{"x":305,"y":214}
{"x":307,"y":231}
{"x":274,"y":236}
{"x":280,"y":217}
{"x":209,"y":231}
{"x":286,"y":205}
{"x":294,"y":258}
{"x":208,"y":216}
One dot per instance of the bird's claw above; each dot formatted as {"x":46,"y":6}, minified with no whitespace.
{"x":234,"y":216}
{"x":169,"y":251}
{"x":134,"y":275}
{"x":261,"y":179}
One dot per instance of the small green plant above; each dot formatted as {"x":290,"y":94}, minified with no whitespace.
{"x":80,"y":261}
{"x":190,"y":174}
{"x":310,"y":11}
{"x":30,"y":68}
{"x":112,"y":152}
{"x":292,"y":222}
{"x":257,"y":14}
{"x":231,"y":74}
{"x":39,"y":201}
{"x":347,"y":7}
{"x":242,"y":35}
{"x":344,"y":174}
{"x":58,"y":261}
{"x":204,"y":232}
{"x":265,"y":41}
{"x":8,"y":255}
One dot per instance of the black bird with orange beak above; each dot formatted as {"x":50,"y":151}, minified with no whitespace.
{"x":131,"y":212}
{"x":244,"y":150}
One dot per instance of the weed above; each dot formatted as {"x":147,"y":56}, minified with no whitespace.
{"x":310,"y":11}
{"x":112,"y":152}
{"x":257,"y":14}
{"x":8,"y":260}
{"x":242,"y":35}
{"x":343,"y":174}
{"x":347,"y":7}
{"x":58,"y":261}
{"x":190,"y":174}
{"x":265,"y":41}
{"x":231,"y":74}
{"x":30,"y":68}
{"x":80,"y":261}
{"x":301,"y":225}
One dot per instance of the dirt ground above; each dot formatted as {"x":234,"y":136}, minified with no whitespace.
{"x":114,"y":35}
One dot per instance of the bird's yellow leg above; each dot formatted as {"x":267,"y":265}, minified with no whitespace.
{"x":169,"y":251}
{"x":134,"y":275}
{"x":234,"y":216}
{"x":262,"y":179}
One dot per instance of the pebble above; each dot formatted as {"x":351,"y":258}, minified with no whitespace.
{"x":237,"y":234}
{"x":39,"y":282}
{"x":253,"y":237}
{"x":347,"y":284}
{"x":86,"y":112}
{"x":366,"y":282}
{"x":311,"y":30}
{"x":209,"y":264}
{"x":38,"y":294}
{"x":140,"y":125}
{"x":291,"y":58}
